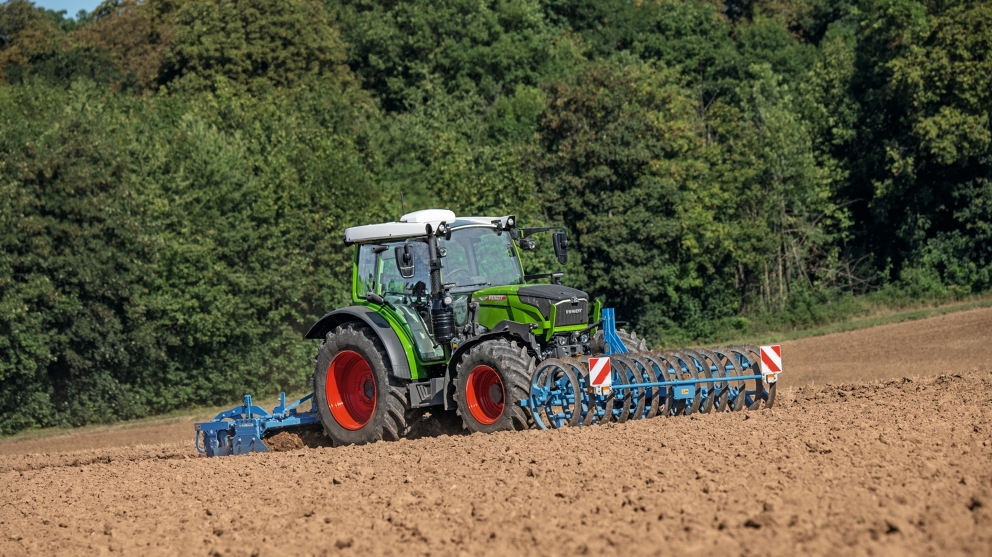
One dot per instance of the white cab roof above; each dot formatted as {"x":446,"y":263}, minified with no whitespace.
{"x":412,"y":225}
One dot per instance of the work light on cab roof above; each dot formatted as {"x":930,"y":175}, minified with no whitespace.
{"x":443,"y":317}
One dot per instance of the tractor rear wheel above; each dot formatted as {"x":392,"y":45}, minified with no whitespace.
{"x":358,"y":399}
{"x":492,"y":378}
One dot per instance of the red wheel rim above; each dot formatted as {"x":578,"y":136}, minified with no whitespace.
{"x":350,"y":390}
{"x":485,"y":394}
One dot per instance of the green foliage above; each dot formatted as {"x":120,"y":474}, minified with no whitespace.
{"x":254,"y":45}
{"x":688,"y":35}
{"x":440,"y":154}
{"x":622,"y":163}
{"x":165,"y":271}
{"x":925,"y":151}
{"x":75,"y":260}
{"x":406,"y":52}
{"x":766,"y":41}
{"x":175,"y":175}
{"x":793,"y":216}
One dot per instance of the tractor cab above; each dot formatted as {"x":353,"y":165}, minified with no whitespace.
{"x":393,"y":264}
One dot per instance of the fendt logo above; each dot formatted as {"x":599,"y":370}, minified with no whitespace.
{"x":572,"y":311}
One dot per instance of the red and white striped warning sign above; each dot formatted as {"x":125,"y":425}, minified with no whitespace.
{"x":771,"y":359}
{"x":599,"y":372}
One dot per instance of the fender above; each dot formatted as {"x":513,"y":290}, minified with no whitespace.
{"x":390,"y":340}
{"x":503,"y":329}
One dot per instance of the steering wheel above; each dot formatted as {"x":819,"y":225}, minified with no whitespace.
{"x":453,"y":275}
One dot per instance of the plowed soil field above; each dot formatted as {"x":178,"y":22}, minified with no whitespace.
{"x":880,"y":443}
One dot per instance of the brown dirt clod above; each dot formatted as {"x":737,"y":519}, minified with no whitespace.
{"x":284,"y":441}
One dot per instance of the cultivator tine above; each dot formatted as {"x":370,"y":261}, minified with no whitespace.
{"x":240,"y":430}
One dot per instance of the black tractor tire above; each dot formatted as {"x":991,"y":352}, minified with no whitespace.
{"x":630,"y":340}
{"x":490,"y":381}
{"x":362,"y":402}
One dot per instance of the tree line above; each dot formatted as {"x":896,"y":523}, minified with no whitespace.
{"x":176,"y":175}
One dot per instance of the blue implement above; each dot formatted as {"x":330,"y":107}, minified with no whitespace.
{"x":614,"y":345}
{"x":240,"y":430}
{"x":646,"y":384}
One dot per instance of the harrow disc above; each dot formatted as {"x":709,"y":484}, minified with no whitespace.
{"x":768,"y":395}
{"x":631,"y":373}
{"x":664,"y":371}
{"x":609,"y":407}
{"x":652,"y":395}
{"x":748,"y":357}
{"x":714,"y":369}
{"x":735,"y":389}
{"x":683,"y":369}
{"x":701,"y":369}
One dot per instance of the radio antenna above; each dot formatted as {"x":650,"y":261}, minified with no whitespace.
{"x":402,"y":207}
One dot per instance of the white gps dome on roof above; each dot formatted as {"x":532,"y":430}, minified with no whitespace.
{"x":429,"y":215}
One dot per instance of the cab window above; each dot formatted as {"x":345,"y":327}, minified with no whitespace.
{"x":366,"y":279}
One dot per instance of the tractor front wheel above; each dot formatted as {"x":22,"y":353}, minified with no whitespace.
{"x":492,"y":378}
{"x":358,"y":399}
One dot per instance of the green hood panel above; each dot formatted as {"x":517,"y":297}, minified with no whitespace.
{"x":542,"y":304}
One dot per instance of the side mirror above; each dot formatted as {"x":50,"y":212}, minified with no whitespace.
{"x":404,"y":261}
{"x":561,"y":246}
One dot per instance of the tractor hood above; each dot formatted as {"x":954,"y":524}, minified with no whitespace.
{"x":567,"y":306}
{"x":571,"y":305}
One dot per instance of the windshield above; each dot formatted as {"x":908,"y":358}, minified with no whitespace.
{"x":478,"y":257}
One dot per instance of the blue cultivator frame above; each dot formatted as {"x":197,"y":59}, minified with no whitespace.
{"x":240,"y":429}
{"x":648,"y":384}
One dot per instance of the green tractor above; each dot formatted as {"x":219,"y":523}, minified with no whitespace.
{"x":443,"y":316}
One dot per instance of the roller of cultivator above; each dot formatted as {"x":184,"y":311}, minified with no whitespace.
{"x":621,"y":385}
